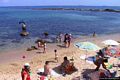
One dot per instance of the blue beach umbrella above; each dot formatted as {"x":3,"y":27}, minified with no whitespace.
{"x":87,"y":46}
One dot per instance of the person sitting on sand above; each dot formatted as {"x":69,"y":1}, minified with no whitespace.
{"x":42,"y":44}
{"x":67,"y":67}
{"x":46,"y":69}
{"x":25,"y":73}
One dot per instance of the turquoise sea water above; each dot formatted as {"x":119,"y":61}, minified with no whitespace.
{"x":39,"y":21}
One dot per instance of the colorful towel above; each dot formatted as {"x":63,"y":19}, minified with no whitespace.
{"x":88,"y":59}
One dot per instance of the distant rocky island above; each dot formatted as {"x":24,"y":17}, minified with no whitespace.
{"x":79,"y":9}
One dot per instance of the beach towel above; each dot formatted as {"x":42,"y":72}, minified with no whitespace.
{"x":88,"y":59}
{"x":53,"y":73}
{"x":83,"y":57}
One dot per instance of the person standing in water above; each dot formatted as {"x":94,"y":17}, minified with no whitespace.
{"x":24,"y":27}
{"x":94,"y":34}
{"x":24,"y":30}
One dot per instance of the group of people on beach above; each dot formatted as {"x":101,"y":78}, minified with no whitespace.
{"x":66,"y":67}
{"x":67,"y":41}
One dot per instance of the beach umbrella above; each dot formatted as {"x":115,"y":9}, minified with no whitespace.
{"x":113,"y":52}
{"x":87,"y":46}
{"x":110,"y":42}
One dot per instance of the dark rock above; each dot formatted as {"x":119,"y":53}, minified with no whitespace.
{"x":78,"y":9}
{"x":2,"y":44}
{"x":24,"y":33}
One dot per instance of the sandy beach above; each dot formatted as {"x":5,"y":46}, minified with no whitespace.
{"x":11,"y":62}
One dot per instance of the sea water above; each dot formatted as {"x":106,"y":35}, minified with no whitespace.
{"x":54,"y":22}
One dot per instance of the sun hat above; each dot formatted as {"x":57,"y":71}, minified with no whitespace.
{"x":26,"y":64}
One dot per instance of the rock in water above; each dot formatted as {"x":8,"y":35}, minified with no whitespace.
{"x":24,"y":33}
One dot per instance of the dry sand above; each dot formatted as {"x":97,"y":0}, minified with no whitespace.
{"x":12,"y":61}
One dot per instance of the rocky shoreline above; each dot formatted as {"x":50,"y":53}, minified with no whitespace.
{"x":79,"y":9}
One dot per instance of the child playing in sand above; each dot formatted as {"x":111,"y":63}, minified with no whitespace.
{"x":56,"y":55}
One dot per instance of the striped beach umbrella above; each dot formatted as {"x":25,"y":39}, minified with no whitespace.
{"x":113,"y":52}
{"x":110,"y":42}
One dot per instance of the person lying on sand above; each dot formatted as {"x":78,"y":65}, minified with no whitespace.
{"x":25,"y":73}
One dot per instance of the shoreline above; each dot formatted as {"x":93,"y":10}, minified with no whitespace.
{"x":17,"y":53}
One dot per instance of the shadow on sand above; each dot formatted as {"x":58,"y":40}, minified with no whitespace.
{"x":58,"y":70}
{"x":51,"y":61}
{"x":84,"y":75}
{"x":86,"y":72}
{"x":61,"y":46}
{"x":40,"y":52}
